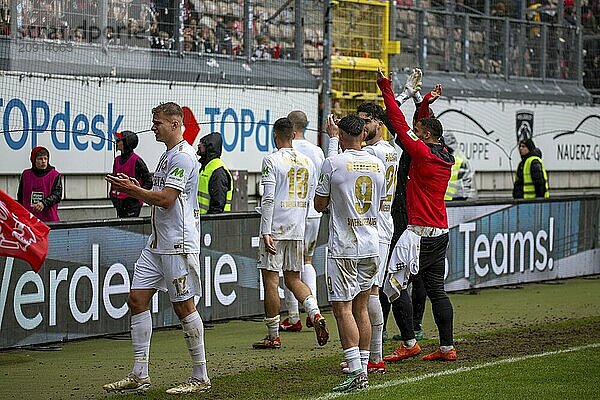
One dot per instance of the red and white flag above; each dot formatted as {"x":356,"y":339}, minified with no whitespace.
{"x":22,"y":235}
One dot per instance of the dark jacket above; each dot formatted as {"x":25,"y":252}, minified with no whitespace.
{"x":537,"y":176}
{"x":220,"y":180}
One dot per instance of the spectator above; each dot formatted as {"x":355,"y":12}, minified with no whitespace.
{"x":570,"y":17}
{"x":189,"y":45}
{"x":207,"y":41}
{"x":263,"y":50}
{"x":215,"y":185}
{"x":589,"y":14}
{"x":4,"y":21}
{"x":499,"y":10}
{"x":132,"y":165}
{"x":77,"y":35}
{"x":223,"y":37}
{"x":40,"y":187}
{"x":531,"y":178}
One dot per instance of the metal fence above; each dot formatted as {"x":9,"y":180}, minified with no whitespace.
{"x":490,"y":37}
{"x":591,"y":65}
{"x":469,"y":43}
{"x":261,"y":29}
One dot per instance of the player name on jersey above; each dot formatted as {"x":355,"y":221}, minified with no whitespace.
{"x":360,"y":166}
{"x":362,"y":221}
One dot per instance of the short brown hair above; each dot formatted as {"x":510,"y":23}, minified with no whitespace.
{"x":299,"y":120}
{"x":170,"y":109}
{"x":283,"y":127}
{"x":433,"y":125}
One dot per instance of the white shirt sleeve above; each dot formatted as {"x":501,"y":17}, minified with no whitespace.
{"x":181,"y":167}
{"x":267,"y":201}
{"x":324,"y":185}
{"x":333,"y":147}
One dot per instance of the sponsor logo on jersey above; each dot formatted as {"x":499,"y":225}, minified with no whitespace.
{"x":177,"y":173}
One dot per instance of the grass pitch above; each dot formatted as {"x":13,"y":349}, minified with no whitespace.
{"x":553,"y":321}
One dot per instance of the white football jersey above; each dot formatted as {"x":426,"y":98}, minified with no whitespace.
{"x":354,"y":181}
{"x":389,"y":157}
{"x":292,"y":173}
{"x":176,"y":230}
{"x":315,"y":153}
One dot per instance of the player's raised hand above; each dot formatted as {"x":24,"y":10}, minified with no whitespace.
{"x":437,"y":90}
{"x":380,"y":73}
{"x":331,"y":127}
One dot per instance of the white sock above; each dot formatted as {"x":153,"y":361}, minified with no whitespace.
{"x":409,"y":344}
{"x":311,"y":306}
{"x":376,"y":317}
{"x":141,"y":332}
{"x":273,"y":326}
{"x":309,"y":276}
{"x":352,"y":357}
{"x":292,"y":306}
{"x":193,"y":333}
{"x":445,"y":349}
{"x":364,"y":359}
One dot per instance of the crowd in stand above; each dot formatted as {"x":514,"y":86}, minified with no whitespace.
{"x":208,"y":26}
{"x":213,"y":26}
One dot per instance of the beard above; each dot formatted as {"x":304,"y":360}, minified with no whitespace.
{"x":370,"y":135}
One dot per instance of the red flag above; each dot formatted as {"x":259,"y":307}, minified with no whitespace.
{"x":191,"y":125}
{"x":22,"y":235}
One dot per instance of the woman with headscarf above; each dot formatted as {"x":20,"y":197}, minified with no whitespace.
{"x":40,"y":187}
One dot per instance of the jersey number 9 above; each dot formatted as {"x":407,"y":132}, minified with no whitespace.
{"x":363,"y":191}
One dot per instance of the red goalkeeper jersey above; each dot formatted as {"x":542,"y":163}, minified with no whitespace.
{"x":429,"y":171}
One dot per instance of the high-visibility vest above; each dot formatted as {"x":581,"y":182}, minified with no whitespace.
{"x":528,"y":187}
{"x":203,"y":194}
{"x":453,"y":184}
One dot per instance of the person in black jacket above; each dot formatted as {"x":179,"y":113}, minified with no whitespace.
{"x":132,"y":165}
{"x":215,"y":185}
{"x":531,"y":179}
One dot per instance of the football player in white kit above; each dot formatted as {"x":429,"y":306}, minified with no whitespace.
{"x":170,"y":260}
{"x":352,"y":184}
{"x":288,"y":184}
{"x":372,"y":115}
{"x":308,"y":275}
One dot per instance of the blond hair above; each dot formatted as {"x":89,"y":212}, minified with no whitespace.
{"x":170,"y":109}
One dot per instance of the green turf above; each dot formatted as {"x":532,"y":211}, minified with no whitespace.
{"x":570,"y":375}
{"x":537,"y":317}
